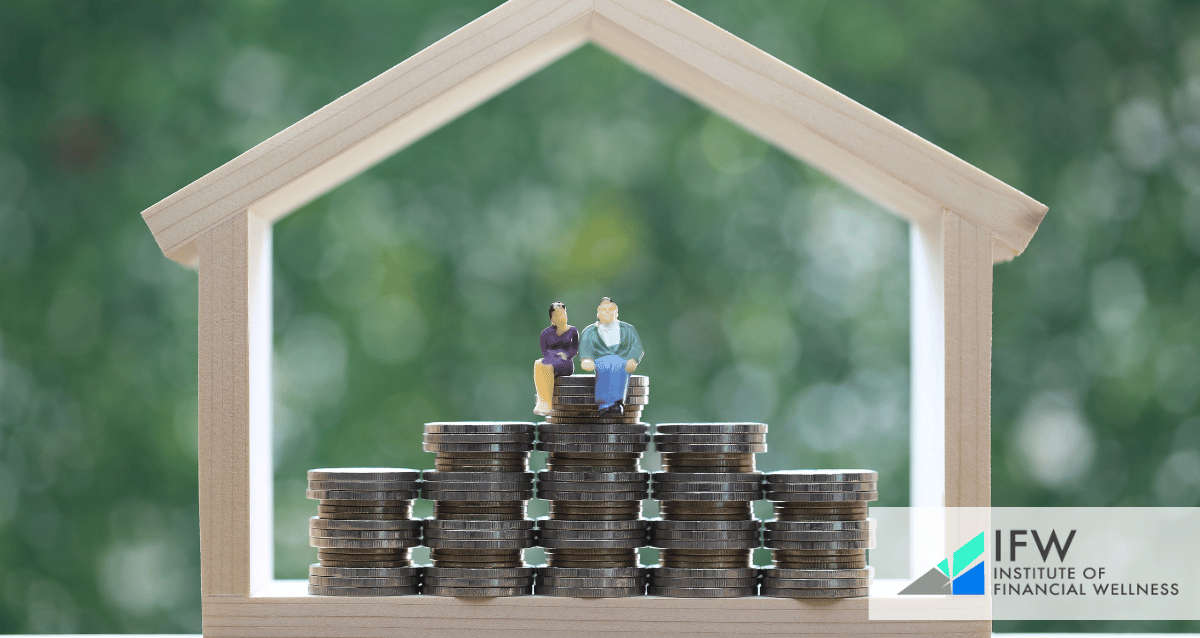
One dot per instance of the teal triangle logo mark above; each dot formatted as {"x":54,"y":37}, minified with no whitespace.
{"x":951,"y":576}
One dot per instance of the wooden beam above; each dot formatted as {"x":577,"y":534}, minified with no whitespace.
{"x":864,"y":150}
{"x":236,"y":507}
{"x":373,"y":121}
{"x":287,"y":612}
{"x":967,"y":264}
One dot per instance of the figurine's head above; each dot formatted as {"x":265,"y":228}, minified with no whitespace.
{"x":558,"y":314}
{"x":606,"y":312}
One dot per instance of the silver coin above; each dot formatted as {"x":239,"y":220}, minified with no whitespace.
{"x":391,"y":524}
{"x":364,"y":572}
{"x":439,"y":524}
{"x":542,"y":446}
{"x":368,"y":564}
{"x":342,"y":581}
{"x":479,"y":427}
{"x":480,"y":534}
{"x":554,"y":495}
{"x":668,"y":486}
{"x":585,"y":437}
{"x":499,"y":439}
{"x":591,"y":534}
{"x":595,"y":421}
{"x":658,"y":571}
{"x":704,"y":526}
{"x":478,"y":592}
{"x":816,"y":583}
{"x":678,"y":543}
{"x":458,"y":543}
{"x":592,"y":572}
{"x":497,"y":496}
{"x":365,"y":486}
{"x":584,"y":582}
{"x":365,"y":543}
{"x":434,"y":476}
{"x":482,"y":572}
{"x":708,"y":477}
{"x":660,"y":495}
{"x":365,"y":552}
{"x":712,"y":448}
{"x":774,"y":543}
{"x":811,"y":535}
{"x":452,"y":486}
{"x":363,"y":474}
{"x":822,"y":476}
{"x":593,"y":486}
{"x":621,"y":477}
{"x":590,"y":592}
{"x":693,"y":583}
{"x":783,"y":573}
{"x":477,"y":447}
{"x":723,"y":439}
{"x":823,"y":487}
{"x":779,"y":592}
{"x":579,"y":411}
{"x":711,"y":428}
{"x":342,"y":495}
{"x":593,"y":428}
{"x":716,"y":535}
{"x":376,"y":534}
{"x":587,"y":543}
{"x":319,"y":590}
{"x":823,"y":526}
{"x":701,"y":592}
{"x":548,"y":524}
{"x":818,"y":497}
{"x":459,"y":581}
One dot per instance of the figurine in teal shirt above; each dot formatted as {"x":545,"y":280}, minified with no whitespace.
{"x":613,"y":349}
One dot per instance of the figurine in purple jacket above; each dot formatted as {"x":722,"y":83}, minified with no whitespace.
{"x":560,"y":344}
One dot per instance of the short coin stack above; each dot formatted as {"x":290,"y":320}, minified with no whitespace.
{"x":595,"y":488}
{"x":820,"y":535}
{"x":480,"y":486}
{"x":364,"y":532}
{"x":707,"y":530}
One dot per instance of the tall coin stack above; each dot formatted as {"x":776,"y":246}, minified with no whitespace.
{"x":595,"y":487}
{"x":707,"y":530}
{"x":820,"y":535}
{"x":480,"y":486}
{"x":364,"y":532}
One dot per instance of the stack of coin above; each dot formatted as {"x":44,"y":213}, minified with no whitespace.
{"x":479,"y":532}
{"x":707,"y":531}
{"x":364,"y":532}
{"x":820,"y":534}
{"x":595,"y":488}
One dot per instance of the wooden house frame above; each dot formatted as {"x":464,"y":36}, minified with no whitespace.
{"x":963,"y":221}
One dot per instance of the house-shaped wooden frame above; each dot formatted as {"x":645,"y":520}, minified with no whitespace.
{"x":963,"y":221}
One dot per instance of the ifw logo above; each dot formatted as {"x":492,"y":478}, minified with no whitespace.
{"x":956,"y":575}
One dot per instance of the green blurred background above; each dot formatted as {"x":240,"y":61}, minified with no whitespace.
{"x":762,"y":290}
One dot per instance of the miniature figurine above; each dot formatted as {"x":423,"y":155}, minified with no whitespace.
{"x":560,"y":344}
{"x":613,"y":349}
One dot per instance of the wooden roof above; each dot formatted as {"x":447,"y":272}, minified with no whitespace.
{"x":867,"y":152}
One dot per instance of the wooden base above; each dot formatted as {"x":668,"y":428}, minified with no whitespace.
{"x":285,"y":609}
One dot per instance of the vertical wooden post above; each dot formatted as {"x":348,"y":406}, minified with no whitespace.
{"x":951,"y":270}
{"x":967,"y":259}
{"x":236,"y":553}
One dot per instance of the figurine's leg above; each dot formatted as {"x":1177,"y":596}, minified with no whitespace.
{"x":543,"y":380}
{"x":611,"y":379}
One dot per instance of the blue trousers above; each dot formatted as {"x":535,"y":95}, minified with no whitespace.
{"x":611,"y":380}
